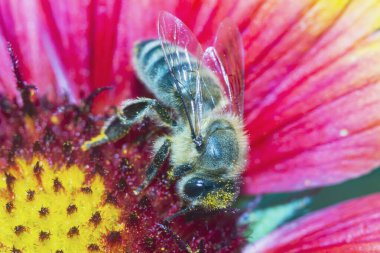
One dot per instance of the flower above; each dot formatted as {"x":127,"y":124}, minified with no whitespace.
{"x":304,"y":59}
{"x":352,"y":226}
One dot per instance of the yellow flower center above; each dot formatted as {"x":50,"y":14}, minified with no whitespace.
{"x":54,"y":209}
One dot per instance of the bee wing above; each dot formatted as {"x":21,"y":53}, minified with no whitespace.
{"x":182,"y":53}
{"x":225,"y":59}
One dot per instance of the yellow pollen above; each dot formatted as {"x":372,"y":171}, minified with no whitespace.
{"x":29,"y":123}
{"x":53,"y":210}
{"x":170,"y":175}
{"x":54,"y":119}
{"x":97,"y":140}
{"x":218,"y":200}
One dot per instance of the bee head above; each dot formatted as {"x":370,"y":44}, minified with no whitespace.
{"x":208,"y":193}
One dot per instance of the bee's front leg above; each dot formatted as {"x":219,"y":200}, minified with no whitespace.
{"x":180,"y":171}
{"x":131,"y":111}
{"x":158,"y":159}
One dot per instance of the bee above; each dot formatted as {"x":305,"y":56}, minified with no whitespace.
{"x":199,"y":98}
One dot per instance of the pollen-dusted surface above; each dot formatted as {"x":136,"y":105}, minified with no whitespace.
{"x":59,"y":216}
{"x":218,"y":200}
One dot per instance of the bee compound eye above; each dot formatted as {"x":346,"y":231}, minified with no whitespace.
{"x":194,"y":187}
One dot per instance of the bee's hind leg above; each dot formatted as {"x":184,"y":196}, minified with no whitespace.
{"x":158,"y":159}
{"x":131,"y":111}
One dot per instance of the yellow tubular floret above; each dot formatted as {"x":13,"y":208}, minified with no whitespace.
{"x":48,"y":209}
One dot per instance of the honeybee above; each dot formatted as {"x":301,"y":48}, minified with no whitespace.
{"x":204,"y":89}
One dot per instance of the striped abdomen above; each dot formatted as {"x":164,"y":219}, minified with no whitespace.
{"x":150,"y":65}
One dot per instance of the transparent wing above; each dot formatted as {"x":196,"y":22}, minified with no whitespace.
{"x":182,"y":53}
{"x":225,"y":59}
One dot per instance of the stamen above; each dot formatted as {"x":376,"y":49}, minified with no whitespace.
{"x":74,"y":231}
{"x":44,"y":236}
{"x":25,"y":89}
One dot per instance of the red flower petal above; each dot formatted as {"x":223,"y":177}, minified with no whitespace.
{"x":312,"y":106}
{"x":353,"y":226}
{"x":19,"y":25}
{"x":6,"y":76}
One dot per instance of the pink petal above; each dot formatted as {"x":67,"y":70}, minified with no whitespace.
{"x":353,"y":226}
{"x":19,"y":25}
{"x":312,"y":97}
{"x":6,"y":74}
{"x":66,"y":26}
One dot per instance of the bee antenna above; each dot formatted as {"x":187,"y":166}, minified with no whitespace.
{"x":181,"y":243}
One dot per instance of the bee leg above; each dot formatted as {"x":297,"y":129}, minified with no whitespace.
{"x":181,"y":243}
{"x":131,"y":111}
{"x":134,"y":110}
{"x":163,"y":113}
{"x":158,"y":160}
{"x":114,"y":129}
{"x":180,"y":171}
{"x":181,"y":212}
